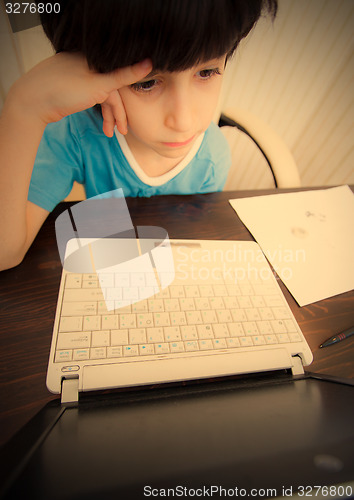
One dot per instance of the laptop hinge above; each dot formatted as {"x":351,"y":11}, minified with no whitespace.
{"x":297,"y":368}
{"x":70,"y":390}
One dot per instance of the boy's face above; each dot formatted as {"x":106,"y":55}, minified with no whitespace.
{"x":167,"y":111}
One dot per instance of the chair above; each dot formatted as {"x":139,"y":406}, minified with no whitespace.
{"x":266,"y":160}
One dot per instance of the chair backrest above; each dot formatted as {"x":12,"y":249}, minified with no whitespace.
{"x":260,"y":158}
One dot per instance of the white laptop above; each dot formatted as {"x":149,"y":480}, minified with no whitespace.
{"x":168,"y":310}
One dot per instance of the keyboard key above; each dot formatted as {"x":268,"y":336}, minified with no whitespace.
{"x":81,"y":354}
{"x":271,"y":339}
{"x":177,"y":347}
{"x":283,"y":338}
{"x":98,"y":353}
{"x":220,"y":290}
{"x":114,"y":352}
{"x":244,"y":302}
{"x":235,"y":329}
{"x":258,"y":340}
{"x":176,"y":291}
{"x":73,"y":340}
{"x":206,"y":291}
{"x":192,"y":291}
{"x":220,"y":330}
{"x":100,"y":339}
{"x":230,"y":302}
{"x":172,"y":333}
{"x":90,"y":284}
{"x":79,"y":308}
{"x":233,"y":342}
{"x":224,"y":316}
{"x":137,"y":336}
{"x":281,"y":312}
{"x":202,"y":303}
{"x":219,"y":343}
{"x":189,"y":332}
{"x":119,"y":337}
{"x":250,"y":327}
{"x":145,"y":320}
{"x":266,"y":313}
{"x":209,"y":316}
{"x":92,"y":323}
{"x":156,"y":305}
{"x":238,"y":315}
{"x":295,"y":337}
{"x":191,"y":345}
{"x":131,"y":293}
{"x":127,"y":321}
{"x":290,"y":325}
{"x":70,"y":324}
{"x":178,"y":318}
{"x":194,"y":318}
{"x":63,"y":355}
{"x":258,"y":301}
{"x":253,"y":314}
{"x":130,"y":350}
{"x":187,"y":304}
{"x":155,"y":335}
{"x":162,"y":348}
{"x":278,"y":326}
{"x":246,"y":341}
{"x":73,"y":281}
{"x":273,"y":301}
{"x":162,"y":319}
{"x":264,"y":327}
{"x":141,"y":306}
{"x":205,"y":332}
{"x":83,"y":295}
{"x":206,"y":344}
{"x":146,"y":349}
{"x":110,"y":322}
{"x":171,"y":305}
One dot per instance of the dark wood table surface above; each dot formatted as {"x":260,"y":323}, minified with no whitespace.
{"x":28,"y":295}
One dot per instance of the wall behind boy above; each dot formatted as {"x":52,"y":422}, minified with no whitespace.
{"x":297,"y":75}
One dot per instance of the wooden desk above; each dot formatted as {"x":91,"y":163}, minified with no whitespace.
{"x":28,"y":295}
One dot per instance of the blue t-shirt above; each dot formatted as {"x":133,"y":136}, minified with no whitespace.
{"x":76,"y":149}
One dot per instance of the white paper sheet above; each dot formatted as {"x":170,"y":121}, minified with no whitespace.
{"x":307,"y":236}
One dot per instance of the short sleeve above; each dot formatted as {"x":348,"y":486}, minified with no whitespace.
{"x":219,"y":153}
{"x":57,"y":165}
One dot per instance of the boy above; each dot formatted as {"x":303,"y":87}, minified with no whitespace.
{"x":155,"y":67}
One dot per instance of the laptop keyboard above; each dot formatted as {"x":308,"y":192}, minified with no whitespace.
{"x":100,"y":320}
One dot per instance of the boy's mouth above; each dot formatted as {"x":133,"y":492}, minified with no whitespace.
{"x":178,"y":144}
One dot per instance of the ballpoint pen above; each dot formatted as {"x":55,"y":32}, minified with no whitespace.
{"x":339,"y":337}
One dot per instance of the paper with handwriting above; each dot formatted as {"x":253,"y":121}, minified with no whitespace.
{"x":307,"y":236}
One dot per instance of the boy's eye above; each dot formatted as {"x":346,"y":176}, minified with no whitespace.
{"x":205,"y":74}
{"x":144,"y":86}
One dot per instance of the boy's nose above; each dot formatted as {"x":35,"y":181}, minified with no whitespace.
{"x":179,"y":111}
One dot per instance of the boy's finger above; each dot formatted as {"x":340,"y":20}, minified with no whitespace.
{"x":115,"y":113}
{"x":108,"y":119}
{"x":130,"y":74}
{"x":118,"y":111}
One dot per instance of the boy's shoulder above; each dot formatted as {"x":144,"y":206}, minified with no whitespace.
{"x":214,"y":143}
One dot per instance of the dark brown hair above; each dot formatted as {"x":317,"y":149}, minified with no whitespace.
{"x":174,"y":34}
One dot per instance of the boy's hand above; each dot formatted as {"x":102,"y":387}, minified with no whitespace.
{"x":63,"y":84}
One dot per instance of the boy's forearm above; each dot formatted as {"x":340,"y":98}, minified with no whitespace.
{"x":20,"y":135}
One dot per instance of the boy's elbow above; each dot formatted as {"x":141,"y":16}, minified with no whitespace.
{"x":11,"y":258}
